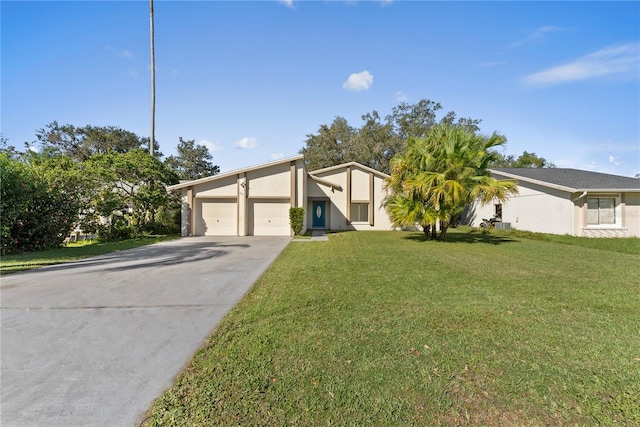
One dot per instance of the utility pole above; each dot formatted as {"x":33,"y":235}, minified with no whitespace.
{"x":153,"y":82}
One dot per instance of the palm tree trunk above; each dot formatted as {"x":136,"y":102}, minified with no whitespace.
{"x":443,"y":231}
{"x":153,"y":82}
{"x":426,"y":229}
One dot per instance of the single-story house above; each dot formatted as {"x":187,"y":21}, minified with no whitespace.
{"x":255,"y":200}
{"x":566,"y":201}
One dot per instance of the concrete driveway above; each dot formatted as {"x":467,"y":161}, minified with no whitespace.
{"x":94,"y":342}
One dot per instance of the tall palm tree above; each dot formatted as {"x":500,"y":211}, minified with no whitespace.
{"x":153,"y":81}
{"x":440,"y":175}
{"x":405,"y":206}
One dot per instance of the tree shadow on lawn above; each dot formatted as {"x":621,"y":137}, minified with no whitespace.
{"x":466,"y":237}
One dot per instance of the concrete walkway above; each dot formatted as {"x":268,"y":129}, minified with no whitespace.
{"x":94,"y":342}
{"x":319,"y":235}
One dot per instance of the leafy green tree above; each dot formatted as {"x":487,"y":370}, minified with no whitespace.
{"x":438,"y":176}
{"x":80,"y":143}
{"x":42,"y":197}
{"x":413,"y":120}
{"x":376,"y":142}
{"x":9,"y":150}
{"x":193,"y":161}
{"x":330,"y":146}
{"x":525,"y":160}
{"x":132,"y":184}
{"x":15,"y":198}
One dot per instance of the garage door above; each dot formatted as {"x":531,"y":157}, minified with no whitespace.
{"x":218,"y":218}
{"x":269,"y":218}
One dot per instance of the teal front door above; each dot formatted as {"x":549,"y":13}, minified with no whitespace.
{"x":318,"y":215}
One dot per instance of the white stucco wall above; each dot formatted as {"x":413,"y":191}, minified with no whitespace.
{"x":542,"y":210}
{"x":274,"y":181}
{"x":382,"y":218}
{"x":632,"y":213}
{"x":184,"y":213}
{"x":359,"y":184}
{"x":224,"y":187}
{"x":546,"y":210}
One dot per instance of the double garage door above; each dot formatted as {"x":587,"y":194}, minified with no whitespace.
{"x":219,"y":217}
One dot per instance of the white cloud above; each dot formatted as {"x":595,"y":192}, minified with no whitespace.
{"x":174,"y":71}
{"x":537,"y":34}
{"x":358,"y":81}
{"x":133,"y":73}
{"x":125,"y":54}
{"x":277,"y":156}
{"x":615,"y":161}
{"x":246,"y":143}
{"x":401,"y":96}
{"x":288,"y":3}
{"x":610,"y":60}
{"x":211,"y":146}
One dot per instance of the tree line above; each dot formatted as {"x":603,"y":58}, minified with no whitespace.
{"x":378,"y":140}
{"x":100,"y":179}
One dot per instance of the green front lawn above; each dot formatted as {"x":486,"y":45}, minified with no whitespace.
{"x":72,"y":252}
{"x":382,"y":328}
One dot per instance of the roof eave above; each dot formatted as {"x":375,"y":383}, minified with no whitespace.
{"x":535,"y":181}
{"x":325,"y":182}
{"x":344,"y":165}
{"x":609,"y":190}
{"x":233,"y":172}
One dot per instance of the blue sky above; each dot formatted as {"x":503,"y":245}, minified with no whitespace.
{"x":251,"y":79}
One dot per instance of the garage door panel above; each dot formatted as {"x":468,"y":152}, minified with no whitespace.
{"x":218,"y":218}
{"x":269,"y":218}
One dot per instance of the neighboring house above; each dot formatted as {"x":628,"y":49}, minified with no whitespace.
{"x":255,"y":201}
{"x":566,"y":201}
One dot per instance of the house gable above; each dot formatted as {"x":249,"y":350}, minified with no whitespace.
{"x":249,"y":201}
{"x":353,"y":194}
{"x":256,"y":200}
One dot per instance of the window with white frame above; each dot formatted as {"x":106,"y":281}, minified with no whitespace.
{"x":601,"y":211}
{"x":359,"y":212}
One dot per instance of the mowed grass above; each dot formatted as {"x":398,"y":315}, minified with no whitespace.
{"x":72,"y":252}
{"x":382,"y":328}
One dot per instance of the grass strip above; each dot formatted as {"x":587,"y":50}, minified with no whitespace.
{"x":628,"y":245}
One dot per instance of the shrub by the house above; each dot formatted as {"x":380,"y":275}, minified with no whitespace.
{"x":296,"y":218}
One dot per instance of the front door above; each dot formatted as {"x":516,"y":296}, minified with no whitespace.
{"x":318,"y":215}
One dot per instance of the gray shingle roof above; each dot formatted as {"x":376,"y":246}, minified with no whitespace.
{"x":574,"y":178}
